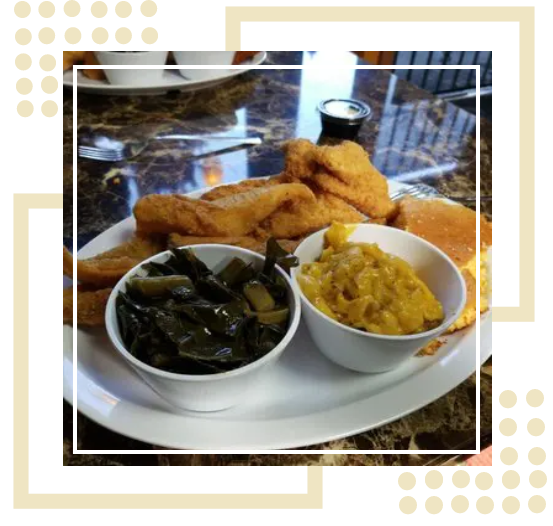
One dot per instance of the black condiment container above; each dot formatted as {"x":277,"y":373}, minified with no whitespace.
{"x":343,"y":117}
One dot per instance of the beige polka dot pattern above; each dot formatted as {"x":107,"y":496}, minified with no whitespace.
{"x":46,"y":35}
{"x":536,"y":456}
{"x":123,"y":35}
{"x":148,"y":8}
{"x":507,"y":399}
{"x":49,"y":108}
{"x":536,"y":427}
{"x":511,"y":505}
{"x":149,"y":35}
{"x":99,"y":9}
{"x":484,"y":481}
{"x":46,"y":9}
{"x":536,"y":504}
{"x":123,"y":9}
{"x":408,"y":505}
{"x":434,"y":479}
{"x":434,"y":505}
{"x":460,"y":504}
{"x":538,"y":479}
{"x":461,"y":479}
{"x":484,"y":505}
{"x":23,"y":62}
{"x":407,"y":481}
{"x":23,"y":36}
{"x":22,"y":9}
{"x":100,"y":35}
{"x":72,"y":8}
{"x":511,"y":479}
{"x":49,"y":85}
{"x":24,"y":86}
{"x":509,"y":456}
{"x":508,"y":427}
{"x":534,"y":398}
{"x":25,"y":108}
{"x":47,"y":62}
{"x":72,"y":35}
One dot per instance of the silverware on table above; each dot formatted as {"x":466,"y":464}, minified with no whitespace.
{"x":128,"y":150}
{"x":423,"y":191}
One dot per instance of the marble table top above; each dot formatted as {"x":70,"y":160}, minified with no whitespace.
{"x":411,"y":136}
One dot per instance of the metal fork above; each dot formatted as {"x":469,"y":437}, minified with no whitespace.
{"x":131,"y":149}
{"x":424,"y":191}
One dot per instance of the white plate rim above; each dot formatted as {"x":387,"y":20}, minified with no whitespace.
{"x":291,"y":433}
{"x":178,"y":82}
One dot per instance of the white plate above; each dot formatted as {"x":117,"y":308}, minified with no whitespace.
{"x":304,"y":400}
{"x":172,"y":81}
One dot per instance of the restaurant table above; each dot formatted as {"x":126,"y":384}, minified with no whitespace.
{"x":412,"y":136}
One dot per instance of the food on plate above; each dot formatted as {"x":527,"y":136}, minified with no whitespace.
{"x":70,"y":58}
{"x":180,"y":316}
{"x":344,"y":171}
{"x":90,"y":60}
{"x":241,"y":56}
{"x":109,"y":267}
{"x":300,"y":218}
{"x":452,"y":228}
{"x":226,"y":190}
{"x":67,"y":263}
{"x":361,"y":286}
{"x":250,"y":243}
{"x":91,"y":306}
{"x":236,"y":215}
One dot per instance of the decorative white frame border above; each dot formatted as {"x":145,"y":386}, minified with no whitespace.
{"x":282,"y":452}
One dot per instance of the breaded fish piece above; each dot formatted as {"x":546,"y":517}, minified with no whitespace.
{"x":300,"y":162}
{"x":109,"y":267}
{"x":299,"y":219}
{"x":236,"y":215}
{"x":91,"y":307}
{"x":226,"y":190}
{"x":250,"y":243}
{"x":67,"y":263}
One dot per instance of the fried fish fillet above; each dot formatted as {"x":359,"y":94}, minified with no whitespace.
{"x":452,"y":228}
{"x":236,"y":215}
{"x":300,"y":162}
{"x":67,"y":263}
{"x":91,"y":307}
{"x":226,"y":190}
{"x":344,"y":171}
{"x":299,"y":219}
{"x":250,"y":243}
{"x":109,"y":267}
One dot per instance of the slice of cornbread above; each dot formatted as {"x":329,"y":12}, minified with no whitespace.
{"x":452,"y":228}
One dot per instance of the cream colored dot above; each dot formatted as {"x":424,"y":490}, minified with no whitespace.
{"x":100,"y":35}
{"x":46,"y":9}
{"x":407,"y":480}
{"x":538,"y":479}
{"x":47,"y":62}
{"x":483,"y":481}
{"x":508,"y":427}
{"x":536,"y":456}
{"x":25,"y":108}
{"x":148,"y":8}
{"x":149,"y":35}
{"x":49,"y":108}
{"x":72,"y":35}
{"x":408,"y":505}
{"x":434,"y":479}
{"x":123,"y":9}
{"x":536,"y":427}
{"x":507,"y":399}
{"x":434,"y":505}
{"x":461,"y":479}
{"x":123,"y":35}
{"x":509,"y":456}
{"x":23,"y":61}
{"x":484,"y":505}
{"x":49,"y":84}
{"x":511,"y":505}
{"x":534,"y":398}
{"x":536,"y":504}
{"x":22,"y":9}
{"x":460,"y":504}
{"x":23,"y":36}
{"x":511,"y":479}
{"x":72,"y":8}
{"x":46,"y":35}
{"x":99,"y":9}
{"x":24,"y":86}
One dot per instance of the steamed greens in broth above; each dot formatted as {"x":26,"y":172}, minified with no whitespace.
{"x":183,"y":318}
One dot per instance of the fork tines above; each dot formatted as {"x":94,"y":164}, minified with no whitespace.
{"x":90,"y":152}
